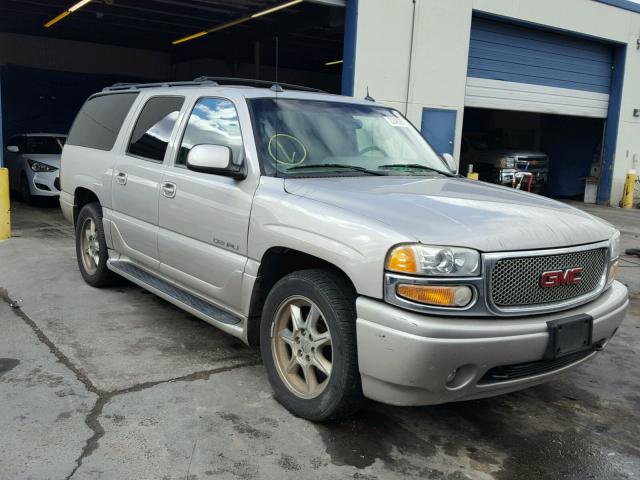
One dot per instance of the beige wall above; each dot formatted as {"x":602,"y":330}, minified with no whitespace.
{"x":433,"y":62}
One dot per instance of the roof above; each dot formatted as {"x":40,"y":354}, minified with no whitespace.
{"x":244,"y":89}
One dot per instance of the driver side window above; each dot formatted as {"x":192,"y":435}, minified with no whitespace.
{"x":213,"y":121}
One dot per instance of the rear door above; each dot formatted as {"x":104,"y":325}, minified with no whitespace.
{"x":204,"y":218}
{"x":137,"y":176}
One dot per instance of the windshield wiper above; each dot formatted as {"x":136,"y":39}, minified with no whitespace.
{"x":415,"y":166}
{"x":336,"y":165}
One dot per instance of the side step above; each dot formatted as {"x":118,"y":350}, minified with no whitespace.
{"x":204,"y":310}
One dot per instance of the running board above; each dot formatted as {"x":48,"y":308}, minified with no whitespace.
{"x":194,"y":305}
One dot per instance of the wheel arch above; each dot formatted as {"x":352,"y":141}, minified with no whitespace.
{"x":276,"y":263}
{"x":81,"y":197}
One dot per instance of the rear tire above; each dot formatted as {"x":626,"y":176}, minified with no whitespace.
{"x":308,"y":329}
{"x":91,"y":248}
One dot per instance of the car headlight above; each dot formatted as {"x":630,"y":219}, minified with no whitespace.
{"x":614,"y":254}
{"x":40,"y":167}
{"x":429,"y":260}
{"x":508,"y":162}
{"x":615,"y":246}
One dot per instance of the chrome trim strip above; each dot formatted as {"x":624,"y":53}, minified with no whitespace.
{"x":476,"y":308}
{"x":482,"y":304}
{"x":490,"y":259}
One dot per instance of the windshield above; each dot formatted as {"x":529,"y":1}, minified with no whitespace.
{"x":315,"y":138}
{"x":44,"y":145}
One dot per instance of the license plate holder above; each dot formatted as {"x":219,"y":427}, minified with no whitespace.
{"x":569,"y":335}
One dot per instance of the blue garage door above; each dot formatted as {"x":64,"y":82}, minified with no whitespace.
{"x":513,"y":67}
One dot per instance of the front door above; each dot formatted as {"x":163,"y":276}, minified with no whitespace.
{"x":204,"y":218}
{"x":137,"y":178}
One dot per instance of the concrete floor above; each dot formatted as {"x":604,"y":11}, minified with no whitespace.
{"x":119,"y":384}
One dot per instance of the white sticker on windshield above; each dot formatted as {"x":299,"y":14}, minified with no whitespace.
{"x":397,"y":122}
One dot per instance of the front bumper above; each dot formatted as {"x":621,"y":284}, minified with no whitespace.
{"x":406,"y":358}
{"x":511,"y":177}
{"x":45,"y":184}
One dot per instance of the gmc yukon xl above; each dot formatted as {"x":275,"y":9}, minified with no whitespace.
{"x":327,"y":231}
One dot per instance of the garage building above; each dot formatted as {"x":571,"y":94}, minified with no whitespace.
{"x":555,"y":77}
{"x":560,"y":78}
{"x":55,"y":53}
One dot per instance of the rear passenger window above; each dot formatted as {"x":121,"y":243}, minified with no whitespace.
{"x":153,"y":129}
{"x":99,"y":120}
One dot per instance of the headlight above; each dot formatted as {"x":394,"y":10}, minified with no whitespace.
{"x":508,"y":162}
{"x":433,"y":260}
{"x":40,"y":167}
{"x":614,"y":249}
{"x":615,"y":245}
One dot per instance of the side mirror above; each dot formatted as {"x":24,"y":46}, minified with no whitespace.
{"x":13,"y":149}
{"x":215,"y":159}
{"x":450,"y":161}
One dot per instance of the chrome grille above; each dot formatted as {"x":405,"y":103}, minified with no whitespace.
{"x":515,"y":281}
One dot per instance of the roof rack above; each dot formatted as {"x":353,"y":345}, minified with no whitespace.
{"x":257,"y":83}
{"x":135,"y":86}
{"x":213,"y":82}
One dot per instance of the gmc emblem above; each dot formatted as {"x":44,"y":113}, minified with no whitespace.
{"x":556,"y":278}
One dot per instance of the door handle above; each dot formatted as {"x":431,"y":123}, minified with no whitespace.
{"x":121,"y":178}
{"x":169,"y":189}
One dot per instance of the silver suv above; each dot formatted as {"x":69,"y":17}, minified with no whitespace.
{"x":326,"y":230}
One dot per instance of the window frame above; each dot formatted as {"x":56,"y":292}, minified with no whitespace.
{"x":185,"y":125}
{"x":134,"y":123}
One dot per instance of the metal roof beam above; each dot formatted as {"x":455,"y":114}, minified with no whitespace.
{"x":331,"y":3}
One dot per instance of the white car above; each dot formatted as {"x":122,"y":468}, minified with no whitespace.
{"x":33,"y":160}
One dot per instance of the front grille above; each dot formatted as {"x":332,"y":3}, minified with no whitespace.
{"x":522,"y":370}
{"x":515,"y":282}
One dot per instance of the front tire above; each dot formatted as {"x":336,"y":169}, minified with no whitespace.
{"x":91,"y":248}
{"x":308,"y":345}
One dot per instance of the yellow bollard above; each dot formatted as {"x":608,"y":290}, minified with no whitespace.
{"x":471,"y":175}
{"x":629,"y":187}
{"x":5,"y":220}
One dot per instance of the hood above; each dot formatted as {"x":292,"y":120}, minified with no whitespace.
{"x":49,"y":159}
{"x":457,"y":211}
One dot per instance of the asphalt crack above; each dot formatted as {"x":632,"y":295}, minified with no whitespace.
{"x":104,"y":397}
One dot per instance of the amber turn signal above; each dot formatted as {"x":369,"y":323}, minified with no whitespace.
{"x":437,"y":295}
{"x":402,"y":259}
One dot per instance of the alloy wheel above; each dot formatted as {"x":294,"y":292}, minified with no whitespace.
{"x":89,"y":246}
{"x":302,"y":347}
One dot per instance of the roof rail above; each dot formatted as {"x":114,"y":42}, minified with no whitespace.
{"x":213,"y":82}
{"x":135,"y":86}
{"x":257,"y":83}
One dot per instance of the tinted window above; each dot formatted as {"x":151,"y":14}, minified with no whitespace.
{"x":99,"y":121}
{"x":44,"y":145}
{"x":212,"y":121}
{"x":153,"y":129}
